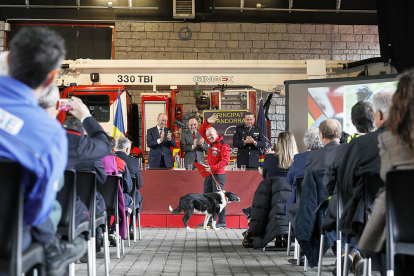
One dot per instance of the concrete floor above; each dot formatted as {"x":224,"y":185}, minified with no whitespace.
{"x":174,"y":251}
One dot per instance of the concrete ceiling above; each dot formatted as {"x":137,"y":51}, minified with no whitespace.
{"x":348,"y":12}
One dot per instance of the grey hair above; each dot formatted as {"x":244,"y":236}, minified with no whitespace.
{"x":382,"y":101}
{"x":49,"y":97}
{"x":311,"y":139}
{"x":123,"y":143}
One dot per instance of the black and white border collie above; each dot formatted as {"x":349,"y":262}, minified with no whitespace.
{"x":209,"y":204}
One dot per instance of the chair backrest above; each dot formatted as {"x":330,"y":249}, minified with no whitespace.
{"x":400,"y":205}
{"x":11,"y":218}
{"x":299,"y":181}
{"x":133,"y":193}
{"x":109,"y":191}
{"x":373,"y":183}
{"x":86,"y":189}
{"x":67,"y":198}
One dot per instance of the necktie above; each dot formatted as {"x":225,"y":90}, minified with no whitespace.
{"x":195,"y":137}
{"x":250,"y":128}
{"x":160,"y":131}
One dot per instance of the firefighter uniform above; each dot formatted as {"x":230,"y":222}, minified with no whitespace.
{"x":248,"y":154}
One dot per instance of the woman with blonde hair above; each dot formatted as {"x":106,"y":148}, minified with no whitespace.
{"x":278,"y":163}
{"x":267,"y":216}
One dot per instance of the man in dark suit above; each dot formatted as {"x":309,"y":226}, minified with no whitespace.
{"x":122,"y":150}
{"x":160,"y":140}
{"x":248,"y":139}
{"x":193,"y":144}
{"x":361,"y":158}
{"x":330,"y":132}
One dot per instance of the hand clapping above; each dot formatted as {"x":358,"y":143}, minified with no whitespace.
{"x":162,"y":136}
{"x":169,"y":135}
{"x":201,"y":141}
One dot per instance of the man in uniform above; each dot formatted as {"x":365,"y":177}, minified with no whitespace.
{"x":248,"y":139}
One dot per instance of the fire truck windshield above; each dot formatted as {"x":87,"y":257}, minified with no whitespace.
{"x":98,"y":106}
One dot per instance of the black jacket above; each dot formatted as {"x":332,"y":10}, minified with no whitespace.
{"x":268,"y":218}
{"x":317,"y":160}
{"x":83,"y":148}
{"x":248,"y":154}
{"x":361,"y":158}
{"x":134,"y":170}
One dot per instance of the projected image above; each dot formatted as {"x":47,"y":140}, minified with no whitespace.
{"x":336,"y":102}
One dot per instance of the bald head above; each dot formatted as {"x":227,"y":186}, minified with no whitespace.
{"x":162,"y":120}
{"x":211,"y":134}
{"x":330,"y":130}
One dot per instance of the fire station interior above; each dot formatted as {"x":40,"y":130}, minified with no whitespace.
{"x":135,"y":59}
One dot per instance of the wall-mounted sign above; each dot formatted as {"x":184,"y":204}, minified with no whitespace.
{"x":226,"y":124}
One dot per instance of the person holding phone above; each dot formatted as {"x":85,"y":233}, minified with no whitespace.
{"x":160,"y":140}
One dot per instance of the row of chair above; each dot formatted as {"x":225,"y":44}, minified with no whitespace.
{"x":83,"y":184}
{"x":399,"y":219}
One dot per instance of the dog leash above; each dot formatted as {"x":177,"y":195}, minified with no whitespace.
{"x":217,"y":185}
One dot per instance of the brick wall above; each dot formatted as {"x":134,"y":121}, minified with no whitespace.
{"x":241,"y":41}
{"x":244,"y":41}
{"x":2,"y":37}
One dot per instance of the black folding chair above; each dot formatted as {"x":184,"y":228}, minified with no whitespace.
{"x":373,"y":183}
{"x":86,"y":189}
{"x":12,"y":260}
{"x":109,"y":191}
{"x":399,"y":215}
{"x":297,"y":196}
{"x":136,"y":211}
{"x":66,"y":228}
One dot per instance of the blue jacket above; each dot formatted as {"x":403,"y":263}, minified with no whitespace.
{"x":157,"y":150}
{"x":308,"y":224}
{"x":271,"y":167}
{"x":297,"y":169}
{"x":40,"y":146}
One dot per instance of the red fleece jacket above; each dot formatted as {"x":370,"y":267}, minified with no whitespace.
{"x":218,"y":156}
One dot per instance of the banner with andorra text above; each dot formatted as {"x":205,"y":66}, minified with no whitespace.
{"x":226,"y":124}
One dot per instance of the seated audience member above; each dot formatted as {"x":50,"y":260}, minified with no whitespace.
{"x":135,"y":150}
{"x":330,"y":132}
{"x":397,"y":152}
{"x":361,"y":158}
{"x":86,"y":151}
{"x":125,"y":203}
{"x":312,"y":141}
{"x":278,"y":164}
{"x":127,"y":181}
{"x":49,"y":101}
{"x":122,"y":149}
{"x":79,"y":147}
{"x":344,"y":138}
{"x":36,"y":141}
{"x":362,"y":118}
